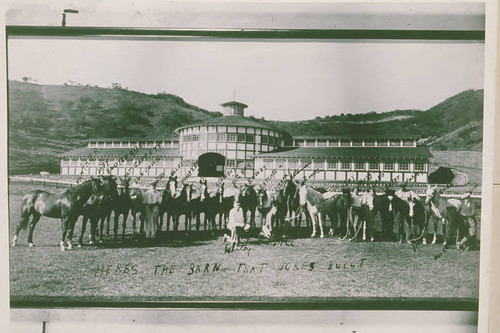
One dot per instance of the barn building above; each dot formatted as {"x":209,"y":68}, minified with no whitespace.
{"x":238,"y":146}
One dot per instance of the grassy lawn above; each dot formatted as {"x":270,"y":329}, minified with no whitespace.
{"x":198,"y":268}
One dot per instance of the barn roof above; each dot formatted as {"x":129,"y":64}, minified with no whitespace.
{"x":121,"y":152}
{"x":354,"y":136}
{"x":168,"y":137}
{"x":231,"y":120}
{"x":350,"y":152}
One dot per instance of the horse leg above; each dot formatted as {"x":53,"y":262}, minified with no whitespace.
{"x":115,"y":225}
{"x":313,"y":224}
{"x":64,"y":226}
{"x":82,"y":232}
{"x":25,"y":215}
{"x":34,"y":221}
{"x":94,"y":221}
{"x":320,"y":221}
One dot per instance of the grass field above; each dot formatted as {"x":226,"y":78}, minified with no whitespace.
{"x":198,"y":268}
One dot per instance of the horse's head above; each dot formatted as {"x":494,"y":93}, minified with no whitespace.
{"x":96,"y":186}
{"x":261,"y":197}
{"x":171,"y":185}
{"x":290,"y":187}
{"x":369,"y":199}
{"x":390,"y":196}
{"x":109,"y":186}
{"x":346,"y":196}
{"x":303,"y":195}
{"x":125,"y":182}
{"x":429,"y":193}
{"x":204,"y":191}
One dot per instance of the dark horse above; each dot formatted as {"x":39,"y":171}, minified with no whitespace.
{"x":401,"y":210}
{"x":181,"y":205}
{"x":293,"y":207}
{"x":248,"y":202}
{"x":66,"y":205}
{"x":166,"y":204}
{"x":91,"y":210}
{"x":121,"y":205}
{"x":381,"y":206}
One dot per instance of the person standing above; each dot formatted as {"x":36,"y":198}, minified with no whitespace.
{"x":236,"y":221}
{"x":468,"y":211}
{"x":152,"y":201}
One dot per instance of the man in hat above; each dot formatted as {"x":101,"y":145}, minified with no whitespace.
{"x":236,"y":220}
{"x":468,"y":211}
{"x":152,"y":201}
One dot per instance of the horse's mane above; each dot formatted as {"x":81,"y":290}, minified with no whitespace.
{"x":77,"y":188}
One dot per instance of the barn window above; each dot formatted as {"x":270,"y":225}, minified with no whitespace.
{"x":240,"y":163}
{"x":250,"y":138}
{"x":195,"y":137}
{"x":408,"y":143}
{"x":404,"y":166}
{"x":374,"y":165}
{"x":212,"y":137}
{"x":231,"y":137}
{"x":264,"y":139}
{"x":389,"y":166}
{"x":268,"y":163}
{"x":345,"y":142}
{"x":369,"y":143}
{"x":419,"y":166}
{"x":280,"y":163}
{"x":319,"y":164}
{"x":230,"y":163}
{"x":381,"y":143}
{"x":292,"y":164}
{"x":221,"y":137}
{"x":357,"y":143}
{"x":346,"y":165}
{"x":332,"y":165}
{"x":241,"y":137}
{"x":359,"y":165}
{"x":310,"y":143}
{"x":333,"y":143}
{"x":307,"y":162}
{"x":395,"y":143}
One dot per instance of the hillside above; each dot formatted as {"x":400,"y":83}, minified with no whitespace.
{"x":46,"y":120}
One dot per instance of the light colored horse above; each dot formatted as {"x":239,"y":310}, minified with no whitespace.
{"x":318,"y":207}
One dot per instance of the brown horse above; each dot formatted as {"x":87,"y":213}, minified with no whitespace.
{"x":66,"y":205}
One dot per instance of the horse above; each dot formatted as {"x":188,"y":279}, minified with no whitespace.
{"x":211,"y":205}
{"x":317,"y":207}
{"x":444,"y":211}
{"x":91,"y":210}
{"x":167,"y":198}
{"x":181,"y":205}
{"x":402,"y":211}
{"x":121,"y":205}
{"x":361,"y":209}
{"x":66,"y":205}
{"x":264,"y":204}
{"x":381,"y":205}
{"x":293,"y":207}
{"x":248,"y":202}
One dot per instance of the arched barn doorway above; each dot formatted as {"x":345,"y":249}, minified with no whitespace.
{"x":211,"y":165}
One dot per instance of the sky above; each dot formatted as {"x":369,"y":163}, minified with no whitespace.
{"x":278,"y":80}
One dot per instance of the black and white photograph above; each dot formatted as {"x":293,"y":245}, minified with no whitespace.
{"x":255,"y":163}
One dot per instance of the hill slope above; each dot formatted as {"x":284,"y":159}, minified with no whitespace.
{"x":46,"y":120}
